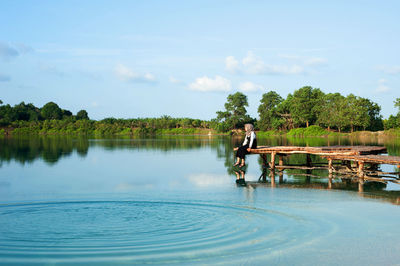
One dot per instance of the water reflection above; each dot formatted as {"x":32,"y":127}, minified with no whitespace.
{"x":240,"y":180}
{"x":50,"y":149}
{"x":55,"y":148}
{"x":273,"y":179}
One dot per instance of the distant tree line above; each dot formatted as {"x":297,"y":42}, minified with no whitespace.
{"x":29,"y":112}
{"x":51,"y":119}
{"x":394,"y":120}
{"x":307,"y":106}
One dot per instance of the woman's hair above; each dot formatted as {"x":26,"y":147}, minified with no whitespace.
{"x":249,"y":128}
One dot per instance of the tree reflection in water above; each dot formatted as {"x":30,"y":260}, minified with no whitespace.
{"x":51,"y":149}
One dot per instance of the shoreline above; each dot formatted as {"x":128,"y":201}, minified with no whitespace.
{"x":137,"y":132}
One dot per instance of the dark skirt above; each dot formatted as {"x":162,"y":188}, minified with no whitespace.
{"x":242,"y":151}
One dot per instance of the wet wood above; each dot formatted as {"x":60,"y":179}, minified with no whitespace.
{"x":299,"y":167}
{"x":360,"y":170}
{"x":366,"y":158}
{"x":328,"y":150}
{"x":272,"y":165}
{"x":330,"y":168}
{"x":309,"y":162}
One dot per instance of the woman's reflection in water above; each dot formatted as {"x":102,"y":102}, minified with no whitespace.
{"x":240,"y":181}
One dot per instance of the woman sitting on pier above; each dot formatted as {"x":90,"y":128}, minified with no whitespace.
{"x":250,"y":142}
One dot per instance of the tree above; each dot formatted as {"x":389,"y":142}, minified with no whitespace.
{"x":66,"y":113}
{"x":374,"y":114}
{"x":26,"y":112}
{"x":305,"y":105}
{"x":391,"y":122}
{"x":357,"y":112}
{"x":284,"y":119}
{"x":51,"y":111}
{"x":82,"y":114}
{"x":267,"y":110}
{"x":330,"y":114}
{"x":397,"y":103}
{"x":235,"y":114}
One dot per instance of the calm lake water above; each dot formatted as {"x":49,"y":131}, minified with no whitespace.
{"x":175,"y":200}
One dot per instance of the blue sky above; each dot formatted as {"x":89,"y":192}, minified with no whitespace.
{"x":183,"y":58}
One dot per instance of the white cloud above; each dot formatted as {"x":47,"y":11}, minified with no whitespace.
{"x":4,"y":78}
{"x":305,"y":60}
{"x":382,"y":87}
{"x":249,"y":87}
{"x":207,"y":180}
{"x":254,"y":65}
{"x":315,"y":61}
{"x":174,"y":80}
{"x":208,"y":84}
{"x":284,"y":69}
{"x":232,"y":65}
{"x":126,"y":74}
{"x":394,"y":70}
{"x":290,"y":57}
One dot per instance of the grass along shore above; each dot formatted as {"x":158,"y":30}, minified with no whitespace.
{"x":86,"y":127}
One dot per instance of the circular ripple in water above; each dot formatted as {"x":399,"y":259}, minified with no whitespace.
{"x":144,"y":232}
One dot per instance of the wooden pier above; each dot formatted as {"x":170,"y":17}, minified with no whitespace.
{"x":353,"y":161}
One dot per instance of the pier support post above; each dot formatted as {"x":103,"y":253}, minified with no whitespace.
{"x":273,"y":161}
{"x":309,"y":162}
{"x":330,"y":168}
{"x":348,"y":166}
{"x":272,"y":176}
{"x":361,"y":185}
{"x":280,"y":173}
{"x":360,"y":176}
{"x":280,"y":162}
{"x":264,"y":158}
{"x":360,"y":171}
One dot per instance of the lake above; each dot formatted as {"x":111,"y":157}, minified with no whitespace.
{"x":175,"y":200}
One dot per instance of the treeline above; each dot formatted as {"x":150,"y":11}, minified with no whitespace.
{"x":394,"y":120}
{"x":29,"y":112}
{"x":51,"y":119}
{"x":307,"y":106}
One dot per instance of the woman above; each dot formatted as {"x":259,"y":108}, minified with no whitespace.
{"x":250,"y":142}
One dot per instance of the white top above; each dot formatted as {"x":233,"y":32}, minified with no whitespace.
{"x":252,"y":137}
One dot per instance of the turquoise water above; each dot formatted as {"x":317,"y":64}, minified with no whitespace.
{"x":175,"y":201}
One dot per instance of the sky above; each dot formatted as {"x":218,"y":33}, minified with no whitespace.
{"x":129,"y":59}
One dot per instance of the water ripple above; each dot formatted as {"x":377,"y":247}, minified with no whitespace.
{"x":147,"y":232}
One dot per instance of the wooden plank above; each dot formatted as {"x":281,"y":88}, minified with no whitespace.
{"x":382,"y":159}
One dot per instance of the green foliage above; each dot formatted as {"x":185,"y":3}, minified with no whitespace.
{"x":311,"y":131}
{"x":235,"y":114}
{"x":391,"y":122}
{"x":82,"y":114}
{"x":397,"y":103}
{"x":269,"y":133}
{"x":51,"y":111}
{"x":267,"y":111}
{"x":304,"y":106}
